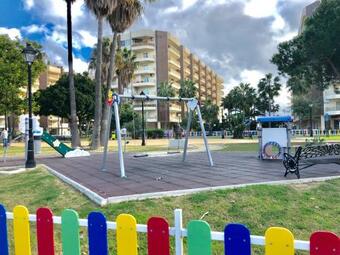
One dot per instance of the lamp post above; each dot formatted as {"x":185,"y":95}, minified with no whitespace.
{"x":311,"y":119}
{"x":30,"y":54}
{"x":222,"y":128}
{"x":143,"y":123}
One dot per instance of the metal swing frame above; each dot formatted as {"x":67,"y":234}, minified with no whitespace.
{"x":193,"y":105}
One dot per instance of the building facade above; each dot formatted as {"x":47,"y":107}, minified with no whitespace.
{"x":55,"y":125}
{"x":327,"y":112}
{"x":160,"y":58}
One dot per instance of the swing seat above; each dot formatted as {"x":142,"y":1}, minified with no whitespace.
{"x":141,"y":155}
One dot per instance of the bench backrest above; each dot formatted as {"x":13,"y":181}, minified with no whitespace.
{"x":318,"y":151}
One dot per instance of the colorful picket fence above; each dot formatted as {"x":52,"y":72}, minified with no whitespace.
{"x":236,"y":237}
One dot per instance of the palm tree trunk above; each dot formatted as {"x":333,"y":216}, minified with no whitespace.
{"x":98,"y":103}
{"x":120,"y":84}
{"x":106,"y":111}
{"x":72,"y":91}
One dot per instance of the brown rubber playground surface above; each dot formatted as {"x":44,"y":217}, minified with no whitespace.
{"x":169,"y":173}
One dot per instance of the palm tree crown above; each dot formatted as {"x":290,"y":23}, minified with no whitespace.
{"x":101,"y":8}
{"x":124,"y":15}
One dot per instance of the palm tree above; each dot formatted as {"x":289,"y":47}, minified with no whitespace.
{"x":187,"y":90}
{"x":165,"y":89}
{"x":120,"y":19}
{"x":105,"y":58}
{"x":101,"y":8}
{"x":72,"y":91}
{"x":126,"y":66}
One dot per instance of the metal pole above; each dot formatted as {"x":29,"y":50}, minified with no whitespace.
{"x":222,"y":128}
{"x":147,"y":97}
{"x":30,"y":162}
{"x":107,"y":138}
{"x":143,"y":125}
{"x":187,"y":135}
{"x":119,"y":140}
{"x":204,"y":135}
{"x":310,"y":121}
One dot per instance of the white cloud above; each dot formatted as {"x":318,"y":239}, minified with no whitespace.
{"x":32,"y":29}
{"x":88,"y":40}
{"x":80,"y":65}
{"x":260,"y":8}
{"x":188,"y":3}
{"x":251,"y":76}
{"x":28,"y":4}
{"x":13,"y":33}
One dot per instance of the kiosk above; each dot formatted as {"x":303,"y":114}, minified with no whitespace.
{"x":275,"y":139}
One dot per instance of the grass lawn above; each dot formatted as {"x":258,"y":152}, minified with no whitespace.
{"x":300,"y":208}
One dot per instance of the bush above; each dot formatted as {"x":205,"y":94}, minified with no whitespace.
{"x":154,"y":133}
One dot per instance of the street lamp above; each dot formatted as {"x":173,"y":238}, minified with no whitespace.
{"x":222,"y":128}
{"x":30,"y":54}
{"x":310,"y":119}
{"x":143,"y":123}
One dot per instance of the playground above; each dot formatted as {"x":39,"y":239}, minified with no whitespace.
{"x":311,"y":207}
{"x":167,"y":175}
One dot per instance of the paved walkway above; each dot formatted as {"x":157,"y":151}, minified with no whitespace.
{"x":161,"y":174}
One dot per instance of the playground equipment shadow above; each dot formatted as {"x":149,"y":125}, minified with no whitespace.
{"x":152,"y":177}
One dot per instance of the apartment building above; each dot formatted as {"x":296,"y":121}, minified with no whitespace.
{"x":326,"y":112}
{"x":161,"y":57}
{"x":49,"y":77}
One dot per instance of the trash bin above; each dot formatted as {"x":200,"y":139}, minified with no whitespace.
{"x":37,"y":144}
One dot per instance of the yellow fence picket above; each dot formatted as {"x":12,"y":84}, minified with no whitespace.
{"x":21,"y":231}
{"x":279,"y":241}
{"x":126,"y":235}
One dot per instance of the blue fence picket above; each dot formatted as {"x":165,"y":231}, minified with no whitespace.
{"x":97,"y":232}
{"x":3,"y":231}
{"x":237,"y":240}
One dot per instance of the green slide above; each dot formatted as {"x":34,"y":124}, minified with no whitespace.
{"x":56,"y":144}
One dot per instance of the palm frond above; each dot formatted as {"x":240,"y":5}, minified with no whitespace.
{"x":101,"y":8}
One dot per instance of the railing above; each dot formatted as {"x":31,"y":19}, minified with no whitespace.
{"x":254,"y":133}
{"x":236,"y":237}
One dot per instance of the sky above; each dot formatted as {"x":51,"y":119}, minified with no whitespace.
{"x":235,"y":37}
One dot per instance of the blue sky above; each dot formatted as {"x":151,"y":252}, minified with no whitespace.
{"x":235,"y":37}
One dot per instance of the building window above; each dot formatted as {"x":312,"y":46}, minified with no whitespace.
{"x":145,"y":55}
{"x":338,"y":106}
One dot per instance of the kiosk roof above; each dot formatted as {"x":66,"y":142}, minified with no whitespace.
{"x":264,"y":119}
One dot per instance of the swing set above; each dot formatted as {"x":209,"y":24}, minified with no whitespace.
{"x":115,"y":100}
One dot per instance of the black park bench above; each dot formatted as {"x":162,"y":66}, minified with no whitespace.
{"x":309,"y":156}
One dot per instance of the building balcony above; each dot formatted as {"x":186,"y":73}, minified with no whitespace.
{"x":145,"y":59}
{"x":174,"y":74}
{"x":174,"y":52}
{"x":332,"y":112}
{"x":146,"y":108}
{"x":174,"y":63}
{"x":332,"y":96}
{"x":143,"y":46}
{"x":175,"y":108}
{"x":149,"y":83}
{"x":145,"y":71}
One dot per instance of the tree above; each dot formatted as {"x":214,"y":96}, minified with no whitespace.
{"x":73,"y":105}
{"x":105,"y":58}
{"x":101,"y":8}
{"x":241,"y":99}
{"x":126,"y":66}
{"x":187,"y":90}
{"x":55,"y":99}
{"x":313,"y":58}
{"x":165,"y":89}
{"x":210,"y":114}
{"x":120,"y":19}
{"x":267,"y":89}
{"x":13,"y":78}
{"x":235,"y":123}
